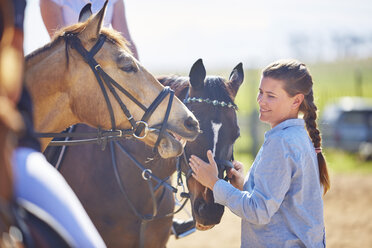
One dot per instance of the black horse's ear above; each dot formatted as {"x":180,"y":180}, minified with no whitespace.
{"x":236,"y":78}
{"x":85,"y":12}
{"x":197,"y":74}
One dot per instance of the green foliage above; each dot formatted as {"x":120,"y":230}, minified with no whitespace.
{"x":343,"y":162}
{"x":346,"y":78}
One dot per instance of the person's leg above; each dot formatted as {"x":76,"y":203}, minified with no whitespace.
{"x":40,"y":183}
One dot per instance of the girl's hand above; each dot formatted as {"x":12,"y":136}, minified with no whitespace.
{"x":236,"y":175}
{"x":204,"y":173}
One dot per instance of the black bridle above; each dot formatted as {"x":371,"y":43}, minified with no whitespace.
{"x":222,"y":164}
{"x":138,"y":127}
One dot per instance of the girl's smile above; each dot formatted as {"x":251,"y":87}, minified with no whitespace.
{"x":274,"y":102}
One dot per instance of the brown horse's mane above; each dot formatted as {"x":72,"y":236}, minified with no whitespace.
{"x":112,"y":36}
{"x":177,"y":83}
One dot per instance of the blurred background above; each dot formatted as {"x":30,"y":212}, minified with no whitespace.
{"x":334,"y":38}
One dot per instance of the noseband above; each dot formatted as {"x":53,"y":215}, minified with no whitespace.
{"x":103,"y":79}
{"x":223,"y":165}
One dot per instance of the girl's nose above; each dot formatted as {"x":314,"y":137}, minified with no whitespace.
{"x":259,"y":98}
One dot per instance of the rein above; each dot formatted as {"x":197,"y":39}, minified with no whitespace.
{"x":148,"y":176}
{"x":104,"y":79}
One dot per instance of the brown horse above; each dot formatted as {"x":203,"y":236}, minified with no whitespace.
{"x":118,"y":199}
{"x":68,"y":80}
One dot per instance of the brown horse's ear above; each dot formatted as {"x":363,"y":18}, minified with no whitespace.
{"x":197,"y":74}
{"x":85,"y":12}
{"x":236,"y":79}
{"x":94,"y":25}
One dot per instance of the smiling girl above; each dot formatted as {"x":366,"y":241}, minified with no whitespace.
{"x":280,"y":200}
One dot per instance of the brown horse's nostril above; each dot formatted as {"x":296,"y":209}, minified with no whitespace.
{"x":191,"y":124}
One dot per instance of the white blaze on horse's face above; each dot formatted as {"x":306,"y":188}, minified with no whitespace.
{"x":216,"y":128}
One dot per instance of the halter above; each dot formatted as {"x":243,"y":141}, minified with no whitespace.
{"x":104,"y":79}
{"x":189,"y":99}
{"x":213,"y":102}
{"x":221,"y":163}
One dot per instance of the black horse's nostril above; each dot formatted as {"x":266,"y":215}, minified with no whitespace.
{"x":191,"y":124}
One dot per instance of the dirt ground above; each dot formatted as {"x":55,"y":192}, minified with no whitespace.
{"x":347,"y":214}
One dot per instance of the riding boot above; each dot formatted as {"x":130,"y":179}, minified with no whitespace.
{"x":182,"y":228}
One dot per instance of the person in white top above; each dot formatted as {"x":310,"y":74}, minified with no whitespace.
{"x":59,"y":13}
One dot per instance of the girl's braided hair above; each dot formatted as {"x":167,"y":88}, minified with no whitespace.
{"x":297,"y":79}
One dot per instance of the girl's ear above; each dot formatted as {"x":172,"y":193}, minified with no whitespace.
{"x":298,"y":99}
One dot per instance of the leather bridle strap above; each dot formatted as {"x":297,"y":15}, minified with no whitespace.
{"x":97,"y":70}
{"x":152,"y":108}
{"x":165,"y":121}
{"x":101,"y":75}
{"x":148,"y":176}
{"x":104,"y":79}
{"x":100,"y":137}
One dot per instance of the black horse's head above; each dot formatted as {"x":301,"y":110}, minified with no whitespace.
{"x":211,"y":99}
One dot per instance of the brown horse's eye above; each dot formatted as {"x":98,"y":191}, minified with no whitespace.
{"x":126,"y":64}
{"x":129,"y":68}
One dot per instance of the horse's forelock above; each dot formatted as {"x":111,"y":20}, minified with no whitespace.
{"x":112,"y":35}
{"x":115,"y":37}
{"x":214,"y":85}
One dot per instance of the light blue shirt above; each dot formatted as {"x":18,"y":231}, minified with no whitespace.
{"x":281,"y":203}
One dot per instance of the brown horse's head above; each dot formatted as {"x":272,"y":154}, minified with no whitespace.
{"x":65,"y":90}
{"x":211,"y":99}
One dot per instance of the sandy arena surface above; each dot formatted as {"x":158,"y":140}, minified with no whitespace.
{"x":347,"y":213}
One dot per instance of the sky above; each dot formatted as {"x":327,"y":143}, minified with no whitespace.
{"x":171,"y":35}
